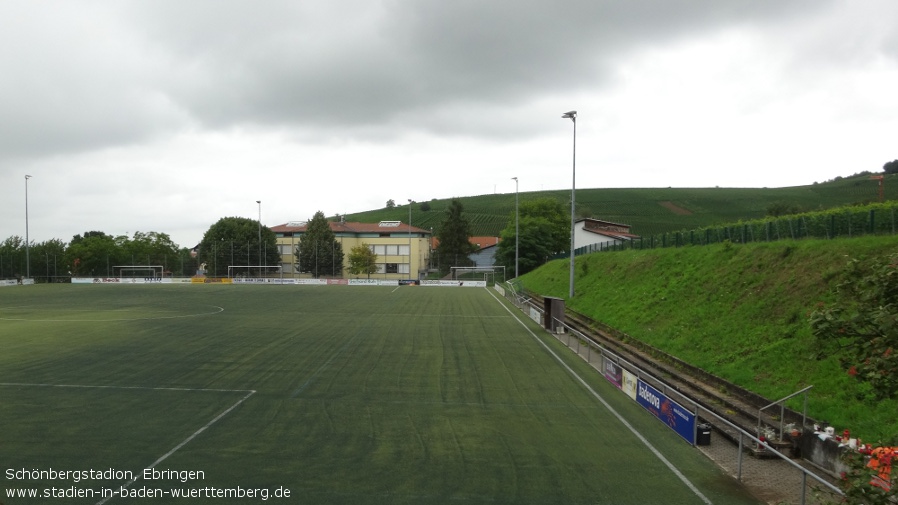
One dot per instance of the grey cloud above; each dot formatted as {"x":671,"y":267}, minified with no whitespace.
{"x":86,"y":76}
{"x":359,"y":66}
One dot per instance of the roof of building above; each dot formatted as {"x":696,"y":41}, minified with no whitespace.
{"x":479,"y":242}
{"x":602,"y":221}
{"x":613,"y":234}
{"x":352,"y":227}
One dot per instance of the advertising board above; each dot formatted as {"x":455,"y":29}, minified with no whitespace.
{"x":668,"y":411}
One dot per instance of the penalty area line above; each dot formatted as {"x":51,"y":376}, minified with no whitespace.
{"x":611,"y":409}
{"x":249,"y":392}
{"x":182,"y":444}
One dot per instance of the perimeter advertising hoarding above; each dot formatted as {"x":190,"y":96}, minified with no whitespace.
{"x":463,"y":284}
{"x":612,"y":371}
{"x":669,"y":412}
{"x":629,"y":384}
{"x":121,"y":280}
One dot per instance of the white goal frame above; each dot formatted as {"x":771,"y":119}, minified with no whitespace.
{"x":489,"y":273}
{"x":261,"y":268}
{"x":156,"y":271}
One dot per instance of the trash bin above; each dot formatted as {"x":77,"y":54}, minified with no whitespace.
{"x":703,"y":434}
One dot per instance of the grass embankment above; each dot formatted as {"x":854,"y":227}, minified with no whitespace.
{"x":740,"y":312}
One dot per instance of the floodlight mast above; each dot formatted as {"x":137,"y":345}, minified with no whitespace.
{"x":27,"y":239}
{"x":517,"y":238}
{"x":572,"y":115}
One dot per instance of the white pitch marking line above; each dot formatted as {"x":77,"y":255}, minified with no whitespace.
{"x":182,"y":444}
{"x":219,"y":311}
{"x":187,"y":440}
{"x":619,"y":417}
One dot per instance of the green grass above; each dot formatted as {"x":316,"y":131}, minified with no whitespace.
{"x":738,"y":311}
{"x":362,"y":395}
{"x":648,"y":210}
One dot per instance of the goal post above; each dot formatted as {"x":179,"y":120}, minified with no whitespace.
{"x":149,"y":271}
{"x":491,"y":275}
{"x":253,"y":270}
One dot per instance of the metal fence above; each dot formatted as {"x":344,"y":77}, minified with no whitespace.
{"x":875,"y":219}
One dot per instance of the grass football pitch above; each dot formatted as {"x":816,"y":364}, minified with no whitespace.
{"x":336,"y":394}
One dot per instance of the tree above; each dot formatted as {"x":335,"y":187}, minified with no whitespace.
{"x":544,"y":226}
{"x":891,"y":167}
{"x":93,"y":255}
{"x":861,"y":327}
{"x":780,"y":208}
{"x":48,"y":260}
{"x":151,"y":248}
{"x":235,"y":241}
{"x":318,"y":251}
{"x":453,"y":234}
{"x":12,"y":257}
{"x":362,"y":260}
{"x":424,"y":207}
{"x":391,"y":204}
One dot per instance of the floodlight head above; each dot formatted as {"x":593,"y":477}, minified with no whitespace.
{"x":572,"y":115}
{"x":515,"y":178}
{"x":259,"y":201}
{"x":27,"y":177}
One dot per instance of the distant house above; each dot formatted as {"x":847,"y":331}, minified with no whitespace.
{"x":485,"y":255}
{"x":595,"y":234}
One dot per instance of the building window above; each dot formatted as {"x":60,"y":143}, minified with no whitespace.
{"x":392,"y":268}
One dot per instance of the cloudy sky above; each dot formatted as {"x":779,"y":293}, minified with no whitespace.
{"x":168,"y":115}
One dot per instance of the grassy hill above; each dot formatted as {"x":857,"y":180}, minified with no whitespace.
{"x":650,"y":210}
{"x":738,"y":311}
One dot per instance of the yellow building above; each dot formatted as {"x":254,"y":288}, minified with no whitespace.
{"x":403,"y":251}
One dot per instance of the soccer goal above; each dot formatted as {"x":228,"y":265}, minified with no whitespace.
{"x":145,"y":271}
{"x":491,"y":275}
{"x":253,"y":271}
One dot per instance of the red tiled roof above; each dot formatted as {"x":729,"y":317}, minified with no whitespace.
{"x":351,"y":227}
{"x":480,"y":242}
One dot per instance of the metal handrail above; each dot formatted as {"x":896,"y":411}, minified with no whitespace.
{"x":780,"y":402}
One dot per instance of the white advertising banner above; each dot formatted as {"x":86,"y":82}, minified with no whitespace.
{"x":120,"y":280}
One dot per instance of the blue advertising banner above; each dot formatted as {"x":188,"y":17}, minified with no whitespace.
{"x":668,"y":411}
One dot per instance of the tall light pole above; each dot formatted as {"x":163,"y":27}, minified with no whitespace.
{"x":517,"y":238}
{"x":409,"y":238}
{"x":572,"y":115}
{"x":260,"y":231}
{"x":27,"y":240}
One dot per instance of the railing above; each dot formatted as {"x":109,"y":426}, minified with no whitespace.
{"x":594,"y":353}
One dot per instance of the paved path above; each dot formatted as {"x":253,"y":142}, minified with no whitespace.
{"x":771,"y":479}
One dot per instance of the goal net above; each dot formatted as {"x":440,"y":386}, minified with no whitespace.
{"x":491,"y":275}
{"x":143,"y":271}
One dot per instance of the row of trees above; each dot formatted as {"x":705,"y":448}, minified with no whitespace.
{"x":93,"y":254}
{"x":243,"y":242}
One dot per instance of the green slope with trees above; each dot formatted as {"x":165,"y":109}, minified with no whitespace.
{"x":741,"y":312}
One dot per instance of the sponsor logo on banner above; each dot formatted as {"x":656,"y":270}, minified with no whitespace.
{"x":340,"y":282}
{"x":408,"y":282}
{"x":668,"y":411}
{"x":628,"y":385}
{"x":612,"y":372}
{"x":363,"y":282}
